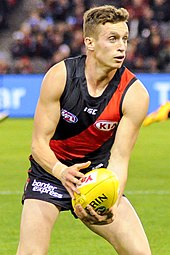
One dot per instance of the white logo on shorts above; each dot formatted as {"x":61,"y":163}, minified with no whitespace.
{"x":46,"y":188}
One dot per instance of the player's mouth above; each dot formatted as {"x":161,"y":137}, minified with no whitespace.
{"x":119,"y":58}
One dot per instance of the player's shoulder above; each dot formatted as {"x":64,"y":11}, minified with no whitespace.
{"x":138,"y":87}
{"x":140,"y":90}
{"x":54,"y":80}
{"x":76,"y":59}
{"x":68,"y":65}
{"x":136,"y":102}
{"x":75,"y":66}
{"x":136,"y":97}
{"x":57,"y":69}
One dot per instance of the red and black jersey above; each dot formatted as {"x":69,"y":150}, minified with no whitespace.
{"x":87,"y":125}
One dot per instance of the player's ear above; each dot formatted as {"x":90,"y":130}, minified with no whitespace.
{"x":89,"y":42}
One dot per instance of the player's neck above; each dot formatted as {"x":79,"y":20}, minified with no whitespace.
{"x":97,"y":77}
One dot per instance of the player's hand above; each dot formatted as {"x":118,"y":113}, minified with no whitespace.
{"x":70,"y":177}
{"x":113,"y":209}
{"x":89,"y":216}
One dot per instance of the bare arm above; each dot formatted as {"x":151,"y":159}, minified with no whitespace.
{"x":45,"y":122}
{"x":47,"y":116}
{"x":135,"y":107}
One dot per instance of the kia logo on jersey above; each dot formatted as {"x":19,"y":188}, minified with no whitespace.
{"x":68,"y":116}
{"x":105,"y":125}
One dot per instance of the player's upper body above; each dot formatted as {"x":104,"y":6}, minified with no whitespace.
{"x":90,"y":107}
{"x":87,"y":124}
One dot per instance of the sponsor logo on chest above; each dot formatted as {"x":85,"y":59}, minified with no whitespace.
{"x":90,"y":110}
{"x":68,"y":116}
{"x":105,"y":125}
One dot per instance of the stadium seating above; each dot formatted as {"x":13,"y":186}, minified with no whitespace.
{"x":53,"y":31}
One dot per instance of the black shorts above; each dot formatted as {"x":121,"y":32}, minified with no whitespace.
{"x":43,"y":186}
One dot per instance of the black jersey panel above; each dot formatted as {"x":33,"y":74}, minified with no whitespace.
{"x":79,"y":110}
{"x":87,"y":125}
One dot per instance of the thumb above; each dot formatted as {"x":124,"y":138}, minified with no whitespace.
{"x":83,"y":165}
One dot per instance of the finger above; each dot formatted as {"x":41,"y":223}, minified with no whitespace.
{"x":95,"y":217}
{"x":91,"y":211}
{"x":109,"y":215}
{"x":70,"y":178}
{"x":80,"y":212}
{"x":83,"y":165}
{"x":72,"y":187}
{"x":70,"y":191}
{"x":104,"y":222}
{"x":78,"y":175}
{"x":69,"y":174}
{"x":102,"y":219}
{"x":76,"y":181}
{"x":87,"y":218}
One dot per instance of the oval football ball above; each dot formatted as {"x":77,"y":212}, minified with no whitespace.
{"x":99,"y":188}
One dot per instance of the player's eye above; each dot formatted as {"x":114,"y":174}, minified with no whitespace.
{"x":125,"y":38}
{"x":112,"y":38}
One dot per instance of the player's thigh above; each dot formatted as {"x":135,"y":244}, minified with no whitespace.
{"x":37,"y":221}
{"x":126,"y":233}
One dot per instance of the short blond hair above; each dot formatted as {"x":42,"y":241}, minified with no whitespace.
{"x":101,"y":15}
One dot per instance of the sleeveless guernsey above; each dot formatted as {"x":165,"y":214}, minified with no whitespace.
{"x":87,"y":125}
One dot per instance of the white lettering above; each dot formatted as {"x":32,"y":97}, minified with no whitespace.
{"x":105,"y":125}
{"x":90,"y":110}
{"x":5,"y":98}
{"x":11,"y":98}
{"x":17,"y":94}
{"x":163,"y":89}
{"x":46,"y":188}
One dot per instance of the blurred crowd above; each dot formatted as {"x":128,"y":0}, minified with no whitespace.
{"x":6,"y":6}
{"x":53,"y":31}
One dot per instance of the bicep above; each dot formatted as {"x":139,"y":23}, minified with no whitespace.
{"x":47,"y":112}
{"x":135,"y":107}
{"x":45,"y":120}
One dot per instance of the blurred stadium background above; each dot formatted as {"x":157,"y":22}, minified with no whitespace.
{"x":35,"y":34}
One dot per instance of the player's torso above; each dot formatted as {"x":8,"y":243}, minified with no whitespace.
{"x":87,"y":125}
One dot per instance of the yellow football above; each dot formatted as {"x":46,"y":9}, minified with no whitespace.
{"x":99,"y":188}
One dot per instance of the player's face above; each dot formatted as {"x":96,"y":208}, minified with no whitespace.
{"x":111,"y":44}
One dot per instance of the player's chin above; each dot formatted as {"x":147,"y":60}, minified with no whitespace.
{"x":117,"y":65}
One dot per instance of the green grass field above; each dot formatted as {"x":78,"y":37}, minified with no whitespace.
{"x":148,"y":189}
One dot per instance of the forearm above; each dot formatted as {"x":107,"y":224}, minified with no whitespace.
{"x":46,"y":158}
{"x":121,"y":170}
